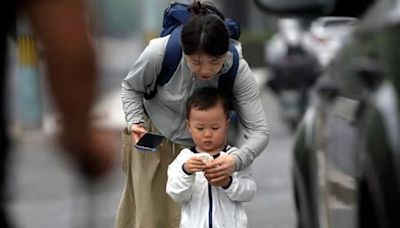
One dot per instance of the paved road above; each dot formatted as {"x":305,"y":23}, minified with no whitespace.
{"x":273,"y":204}
{"x":45,"y":191}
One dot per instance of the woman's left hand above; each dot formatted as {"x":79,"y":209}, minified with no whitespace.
{"x":219,"y":169}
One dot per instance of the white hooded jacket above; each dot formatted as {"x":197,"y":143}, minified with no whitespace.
{"x":206,"y":206}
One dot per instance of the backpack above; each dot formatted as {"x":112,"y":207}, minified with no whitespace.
{"x":174,"y":18}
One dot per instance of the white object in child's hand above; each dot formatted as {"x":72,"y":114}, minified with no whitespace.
{"x":206,"y":157}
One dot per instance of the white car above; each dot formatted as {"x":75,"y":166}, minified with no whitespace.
{"x":327,"y":35}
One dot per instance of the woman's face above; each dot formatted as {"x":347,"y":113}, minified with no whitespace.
{"x":205,"y":66}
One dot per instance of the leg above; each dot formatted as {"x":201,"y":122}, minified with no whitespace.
{"x":144,"y":202}
{"x":126,"y":211}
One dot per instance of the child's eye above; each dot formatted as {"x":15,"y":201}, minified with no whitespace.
{"x":199,"y":128}
{"x":215,"y":128}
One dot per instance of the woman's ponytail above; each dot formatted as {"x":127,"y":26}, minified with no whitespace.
{"x":201,"y":9}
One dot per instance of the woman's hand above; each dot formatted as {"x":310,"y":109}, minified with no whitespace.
{"x":137,"y":131}
{"x":194,"y":164}
{"x":218,"y":171}
{"x":223,"y":183}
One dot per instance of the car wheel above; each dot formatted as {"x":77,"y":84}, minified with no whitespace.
{"x":302,"y":204}
{"x":378,"y":199}
{"x":367,"y":215}
{"x":297,"y":206}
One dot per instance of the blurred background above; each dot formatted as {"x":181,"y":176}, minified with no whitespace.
{"x":46,"y":191}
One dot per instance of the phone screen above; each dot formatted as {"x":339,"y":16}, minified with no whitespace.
{"x":149,"y":142}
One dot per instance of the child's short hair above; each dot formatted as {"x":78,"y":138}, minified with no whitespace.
{"x":206,"y":98}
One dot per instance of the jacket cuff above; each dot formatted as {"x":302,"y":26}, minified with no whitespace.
{"x":183,"y":169}
{"x":230,"y":183}
{"x":238,"y":161}
{"x":132,"y":123}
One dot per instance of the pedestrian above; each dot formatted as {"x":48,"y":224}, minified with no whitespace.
{"x":205,"y":44}
{"x":202,"y":204}
{"x":69,"y":58}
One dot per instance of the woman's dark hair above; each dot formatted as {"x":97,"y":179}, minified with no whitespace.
{"x":205,"y":31}
{"x":205,"y":98}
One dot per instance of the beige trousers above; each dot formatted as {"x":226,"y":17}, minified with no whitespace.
{"x":144,"y":202}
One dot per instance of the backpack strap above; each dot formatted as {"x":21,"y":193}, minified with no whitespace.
{"x":172,"y":57}
{"x":226,"y":80}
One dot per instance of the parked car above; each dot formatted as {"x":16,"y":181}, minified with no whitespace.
{"x":346,"y":154}
{"x":326,"y":35}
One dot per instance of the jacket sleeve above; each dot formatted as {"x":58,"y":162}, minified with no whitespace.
{"x":180,"y":184}
{"x":251,"y":114}
{"x":243,"y":186}
{"x":141,"y":79}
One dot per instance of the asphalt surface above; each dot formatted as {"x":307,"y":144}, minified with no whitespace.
{"x":273,"y":203}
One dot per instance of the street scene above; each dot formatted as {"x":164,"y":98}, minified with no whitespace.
{"x":327,"y":76}
{"x":48,"y":192}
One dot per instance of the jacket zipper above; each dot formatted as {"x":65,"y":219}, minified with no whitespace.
{"x":210,"y":218}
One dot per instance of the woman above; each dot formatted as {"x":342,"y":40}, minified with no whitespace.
{"x":205,"y":44}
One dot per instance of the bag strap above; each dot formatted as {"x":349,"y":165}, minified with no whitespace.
{"x":172,"y":57}
{"x":226,"y":80}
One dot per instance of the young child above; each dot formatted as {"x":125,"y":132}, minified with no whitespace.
{"x":203,"y":204}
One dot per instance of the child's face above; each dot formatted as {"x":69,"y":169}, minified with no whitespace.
{"x":205,"y":66}
{"x":208,"y":128}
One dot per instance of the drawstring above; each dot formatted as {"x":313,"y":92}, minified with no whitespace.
{"x":173,"y":149}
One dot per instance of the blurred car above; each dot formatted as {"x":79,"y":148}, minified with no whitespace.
{"x":346,"y":154}
{"x":292,"y":68}
{"x":326,"y":35}
{"x":290,"y":35}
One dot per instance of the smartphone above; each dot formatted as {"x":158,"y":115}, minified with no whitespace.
{"x":149,"y":142}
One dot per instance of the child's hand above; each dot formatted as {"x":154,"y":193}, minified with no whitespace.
{"x":194,"y":164}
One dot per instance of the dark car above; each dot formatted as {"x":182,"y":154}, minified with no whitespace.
{"x":346,"y":155}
